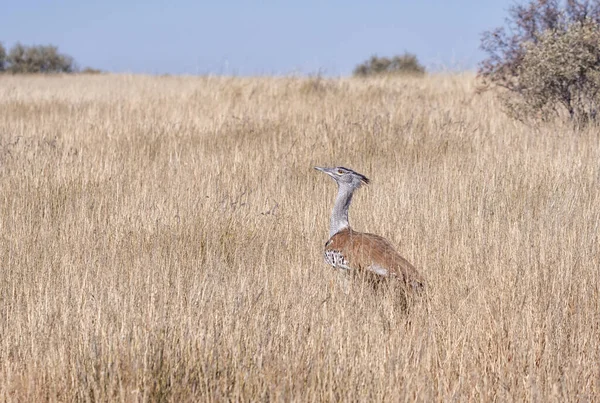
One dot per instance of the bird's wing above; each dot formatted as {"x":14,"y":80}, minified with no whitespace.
{"x":374,"y":253}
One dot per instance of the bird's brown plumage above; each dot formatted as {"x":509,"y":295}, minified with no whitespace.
{"x":371,"y":252}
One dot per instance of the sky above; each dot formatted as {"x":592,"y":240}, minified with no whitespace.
{"x":237,"y":37}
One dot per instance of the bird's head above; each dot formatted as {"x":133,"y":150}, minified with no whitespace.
{"x":345,"y":177}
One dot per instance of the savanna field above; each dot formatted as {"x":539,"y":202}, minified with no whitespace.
{"x":161,"y":240}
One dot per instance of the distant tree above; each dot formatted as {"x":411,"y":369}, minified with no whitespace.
{"x":548,"y":60}
{"x":38,"y":59}
{"x":2,"y":58}
{"x":406,"y":63}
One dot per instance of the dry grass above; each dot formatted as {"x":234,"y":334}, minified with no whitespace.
{"x":161,"y":240}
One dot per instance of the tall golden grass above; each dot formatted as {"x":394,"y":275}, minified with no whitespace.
{"x":161,"y":240}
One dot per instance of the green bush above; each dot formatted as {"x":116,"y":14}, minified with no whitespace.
{"x":91,"y":70}
{"x":549,"y":62}
{"x":561,"y":72}
{"x":2,"y":58}
{"x":38,"y":59}
{"x":400,"y":64}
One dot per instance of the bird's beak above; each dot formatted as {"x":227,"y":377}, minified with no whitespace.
{"x":328,"y":171}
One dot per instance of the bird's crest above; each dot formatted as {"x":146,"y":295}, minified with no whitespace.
{"x":363,"y":179}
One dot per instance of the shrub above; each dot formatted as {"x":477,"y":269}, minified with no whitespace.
{"x":549,"y":61}
{"x":2,"y":58}
{"x":561,"y":72}
{"x":400,"y":64}
{"x":91,"y":70}
{"x":38,"y":59}
{"x":16,"y":58}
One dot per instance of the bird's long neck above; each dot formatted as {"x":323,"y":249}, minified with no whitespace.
{"x":339,"y":215}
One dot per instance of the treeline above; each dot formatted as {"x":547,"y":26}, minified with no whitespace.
{"x":21,"y":59}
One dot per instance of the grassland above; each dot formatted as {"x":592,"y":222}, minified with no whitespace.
{"x":161,"y":240}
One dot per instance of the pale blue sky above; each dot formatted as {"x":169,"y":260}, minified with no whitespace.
{"x":248,"y":38}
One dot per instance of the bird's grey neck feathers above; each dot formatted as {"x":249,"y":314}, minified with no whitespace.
{"x":339,"y":216}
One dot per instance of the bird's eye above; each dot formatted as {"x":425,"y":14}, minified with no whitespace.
{"x":340,"y":171}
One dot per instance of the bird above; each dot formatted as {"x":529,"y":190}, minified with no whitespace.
{"x":352,"y":251}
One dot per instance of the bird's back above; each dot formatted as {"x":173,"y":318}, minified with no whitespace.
{"x":371,"y":252}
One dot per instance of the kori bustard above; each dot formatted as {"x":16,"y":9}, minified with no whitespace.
{"x":350,"y":250}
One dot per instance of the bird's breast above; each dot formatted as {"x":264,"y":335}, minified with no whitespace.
{"x":335,"y":258}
